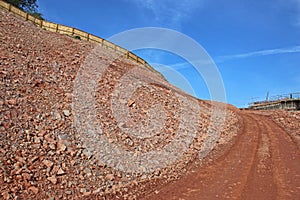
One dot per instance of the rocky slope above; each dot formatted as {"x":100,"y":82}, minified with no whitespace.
{"x":60,"y":123}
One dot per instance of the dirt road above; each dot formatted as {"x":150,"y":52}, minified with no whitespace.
{"x":263,"y":163}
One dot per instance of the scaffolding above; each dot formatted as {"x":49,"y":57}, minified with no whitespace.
{"x":286,"y":102}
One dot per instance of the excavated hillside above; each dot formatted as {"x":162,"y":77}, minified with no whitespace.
{"x":79,"y":121}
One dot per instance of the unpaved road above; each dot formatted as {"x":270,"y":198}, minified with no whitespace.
{"x":263,"y":163}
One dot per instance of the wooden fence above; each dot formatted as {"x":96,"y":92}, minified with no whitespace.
{"x":53,"y":27}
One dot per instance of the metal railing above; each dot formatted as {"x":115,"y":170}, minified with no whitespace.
{"x":276,"y":98}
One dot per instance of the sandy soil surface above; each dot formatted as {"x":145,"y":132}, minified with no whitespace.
{"x":78,"y":121}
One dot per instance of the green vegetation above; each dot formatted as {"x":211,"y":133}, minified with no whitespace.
{"x":77,"y":37}
{"x":29,"y":6}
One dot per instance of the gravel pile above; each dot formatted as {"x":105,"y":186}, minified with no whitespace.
{"x":57,"y":130}
{"x":290,"y":121}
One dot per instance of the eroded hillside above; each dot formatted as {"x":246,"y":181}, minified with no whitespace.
{"x":44,"y":154}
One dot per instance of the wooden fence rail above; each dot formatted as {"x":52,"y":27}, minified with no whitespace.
{"x":58,"y":28}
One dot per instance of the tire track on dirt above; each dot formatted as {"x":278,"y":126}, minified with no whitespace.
{"x":285,"y":158}
{"x":263,"y":163}
{"x":226,"y":177}
{"x":260,"y":183}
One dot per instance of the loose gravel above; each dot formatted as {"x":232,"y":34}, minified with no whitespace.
{"x":43,"y":153}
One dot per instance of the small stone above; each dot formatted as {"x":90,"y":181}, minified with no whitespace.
{"x":82,"y":190}
{"x":41,"y":133}
{"x":35,"y":190}
{"x":86,"y":193}
{"x":157,"y":173}
{"x":88,"y":172}
{"x":144,"y":177}
{"x":66,"y":113}
{"x":110,"y":177}
{"x":1,"y":103}
{"x":68,"y":192}
{"x":12,"y":101}
{"x":143,"y":169}
{"x":49,"y":139}
{"x":97,"y":191}
{"x":48,"y":163}
{"x":72,"y":162}
{"x":55,"y":169}
{"x":26,"y":176}
{"x":60,"y":171}
{"x":52,"y":179}
{"x":87,"y":154}
{"x":37,"y":140}
{"x":69,"y":97}
{"x":130,"y":102}
{"x":2,"y":151}
{"x":33,"y":159}
{"x":52,"y":146}
{"x":56,"y":116}
{"x":134,"y":182}
{"x":5,"y":195}
{"x":61,"y":146}
{"x":18,"y":177}
{"x":21,"y":159}
{"x":6,"y":125}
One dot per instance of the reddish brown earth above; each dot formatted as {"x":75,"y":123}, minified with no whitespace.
{"x":263,"y":163}
{"x":43,"y":156}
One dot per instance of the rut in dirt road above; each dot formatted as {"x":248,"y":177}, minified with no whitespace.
{"x":262,"y":164}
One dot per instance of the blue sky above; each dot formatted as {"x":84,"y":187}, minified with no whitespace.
{"x":255,"y":44}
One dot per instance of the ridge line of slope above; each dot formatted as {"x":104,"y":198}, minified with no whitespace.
{"x":76,"y":33}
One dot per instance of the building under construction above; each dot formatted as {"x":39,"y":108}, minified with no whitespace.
{"x":286,"y":102}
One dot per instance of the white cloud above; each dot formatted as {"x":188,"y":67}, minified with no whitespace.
{"x":294,"y":49}
{"x":170,"y":12}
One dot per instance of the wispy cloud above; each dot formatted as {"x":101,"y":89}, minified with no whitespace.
{"x":170,"y":12}
{"x":293,"y":49}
